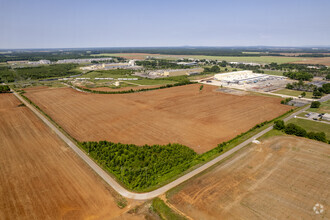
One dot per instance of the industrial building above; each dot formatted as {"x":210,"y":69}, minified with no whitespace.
{"x":103,"y":66}
{"x":244,"y":77}
{"x":177,"y":72}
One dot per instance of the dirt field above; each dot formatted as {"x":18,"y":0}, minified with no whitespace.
{"x":41,"y":178}
{"x":317,"y":60}
{"x":200,"y":120}
{"x":282,"y":178}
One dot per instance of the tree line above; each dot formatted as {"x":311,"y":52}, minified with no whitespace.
{"x":160,"y":64}
{"x":296,"y":130}
{"x":40,"y":72}
{"x":137,"y":90}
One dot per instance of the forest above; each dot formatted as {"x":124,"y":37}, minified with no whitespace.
{"x":40,"y":72}
{"x":299,"y":75}
{"x":160,"y":64}
{"x":140,"y":167}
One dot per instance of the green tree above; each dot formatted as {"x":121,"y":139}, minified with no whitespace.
{"x":315,"y":104}
{"x":303,"y":94}
{"x":317,"y":93}
{"x":279,"y":125}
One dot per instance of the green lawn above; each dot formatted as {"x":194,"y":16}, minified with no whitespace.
{"x":293,"y":93}
{"x":148,"y":82}
{"x":273,"y":72}
{"x":324,"y":108}
{"x":309,"y":125}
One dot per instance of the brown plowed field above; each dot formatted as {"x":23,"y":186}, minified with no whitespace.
{"x":282,"y":178}
{"x":183,"y":114}
{"x":41,"y":178}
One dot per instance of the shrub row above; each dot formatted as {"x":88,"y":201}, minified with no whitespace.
{"x":137,"y":90}
{"x":296,"y":130}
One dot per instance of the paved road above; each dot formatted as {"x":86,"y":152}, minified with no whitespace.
{"x":324,"y":122}
{"x":149,"y":195}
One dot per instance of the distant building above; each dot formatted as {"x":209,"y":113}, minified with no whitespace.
{"x":177,"y":72}
{"x":245,"y":76}
{"x":326,"y":116}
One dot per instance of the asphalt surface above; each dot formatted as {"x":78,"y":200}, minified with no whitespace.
{"x":149,"y":195}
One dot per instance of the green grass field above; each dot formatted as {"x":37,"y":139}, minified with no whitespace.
{"x":324,"y":108}
{"x":148,"y":82}
{"x":261,"y":59}
{"x":273,"y":72}
{"x":309,"y":125}
{"x":293,"y":93}
{"x":101,"y":74}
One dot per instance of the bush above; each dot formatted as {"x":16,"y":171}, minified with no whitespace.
{"x":4,"y":88}
{"x":317,"y":93}
{"x":279,"y":125}
{"x":286,"y":101}
{"x":315,"y":104}
{"x":319,"y":136}
{"x":295,"y":130}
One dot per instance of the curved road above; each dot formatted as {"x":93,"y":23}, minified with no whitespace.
{"x":149,"y":195}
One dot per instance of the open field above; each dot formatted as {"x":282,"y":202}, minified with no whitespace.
{"x":314,"y":126}
{"x":314,"y":60}
{"x":324,"y":108}
{"x":261,"y":59}
{"x":294,"y":93}
{"x":273,"y":72}
{"x":41,"y":178}
{"x":138,"y":56}
{"x":282,"y":178}
{"x":184,"y":114}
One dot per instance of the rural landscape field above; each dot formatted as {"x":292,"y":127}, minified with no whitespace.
{"x":164,"y":110}
{"x":184,"y":115}
{"x":263,"y":181}
{"x":41,"y":178}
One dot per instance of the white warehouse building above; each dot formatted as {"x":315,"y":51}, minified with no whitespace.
{"x":242,"y":77}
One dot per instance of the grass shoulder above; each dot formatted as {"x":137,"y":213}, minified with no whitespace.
{"x":164,"y":211}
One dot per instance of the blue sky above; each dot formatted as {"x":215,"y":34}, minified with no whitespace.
{"x":101,"y":23}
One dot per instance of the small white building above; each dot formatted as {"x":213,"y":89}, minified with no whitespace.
{"x":326,"y":116}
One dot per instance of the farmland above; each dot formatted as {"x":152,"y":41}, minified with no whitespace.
{"x":317,"y":60}
{"x":41,"y":178}
{"x":256,"y":59}
{"x":184,"y":115}
{"x":281,"y":178}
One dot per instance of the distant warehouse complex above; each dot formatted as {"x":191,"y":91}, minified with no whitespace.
{"x":244,"y":77}
{"x":176,"y":72}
